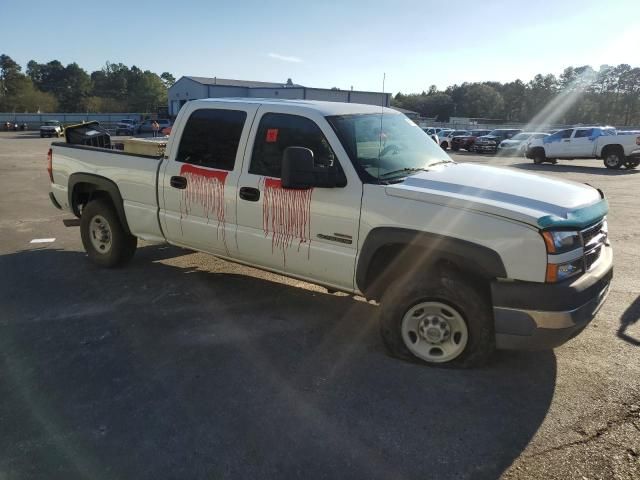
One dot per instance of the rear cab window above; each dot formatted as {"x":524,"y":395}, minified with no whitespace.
{"x":211,"y":137}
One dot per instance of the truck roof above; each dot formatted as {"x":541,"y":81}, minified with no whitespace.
{"x":325,"y":108}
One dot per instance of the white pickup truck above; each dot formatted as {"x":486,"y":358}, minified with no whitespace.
{"x":463,"y":258}
{"x":587,"y":142}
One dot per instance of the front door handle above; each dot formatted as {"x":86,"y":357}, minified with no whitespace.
{"x":567,"y":140}
{"x":249,"y":194}
{"x":178,"y":182}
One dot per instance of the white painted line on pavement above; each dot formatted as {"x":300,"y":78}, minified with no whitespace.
{"x":42,"y":240}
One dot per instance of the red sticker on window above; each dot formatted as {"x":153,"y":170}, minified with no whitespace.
{"x":272,"y":135}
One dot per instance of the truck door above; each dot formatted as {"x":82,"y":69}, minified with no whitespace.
{"x":582,"y":143}
{"x":558,"y":144}
{"x":306,"y":233}
{"x":198,"y":187}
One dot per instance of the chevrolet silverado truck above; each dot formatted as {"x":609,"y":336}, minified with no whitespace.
{"x":587,"y":142}
{"x":462,"y":258}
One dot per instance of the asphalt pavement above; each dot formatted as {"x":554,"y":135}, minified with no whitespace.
{"x":182,"y":365}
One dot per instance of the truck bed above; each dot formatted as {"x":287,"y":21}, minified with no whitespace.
{"x":135,"y":175}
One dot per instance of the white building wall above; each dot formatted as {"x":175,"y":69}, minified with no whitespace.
{"x":370,"y":98}
{"x":288,"y":93}
{"x":327,"y":95}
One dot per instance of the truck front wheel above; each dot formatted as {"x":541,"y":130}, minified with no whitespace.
{"x":103,"y":236}
{"x":539,"y":157}
{"x":443,"y":321}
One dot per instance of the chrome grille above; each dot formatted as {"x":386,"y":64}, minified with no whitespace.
{"x":593,"y":238}
{"x":588,"y":234}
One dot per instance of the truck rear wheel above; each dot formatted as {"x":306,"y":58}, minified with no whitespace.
{"x":103,"y":236}
{"x":442,"y":321}
{"x":613,"y":159}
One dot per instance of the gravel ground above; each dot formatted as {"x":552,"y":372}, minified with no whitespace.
{"x":186,"y":366}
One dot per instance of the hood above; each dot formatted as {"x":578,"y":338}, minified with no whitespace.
{"x":512,"y":142}
{"x":533,"y":199}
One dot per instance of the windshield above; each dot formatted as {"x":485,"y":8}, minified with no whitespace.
{"x":386,"y":147}
{"x":52,"y":123}
{"x":521,"y":136}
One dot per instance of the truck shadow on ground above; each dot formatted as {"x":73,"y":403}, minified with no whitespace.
{"x":597,"y":169}
{"x":630,"y":316}
{"x":165,"y":371}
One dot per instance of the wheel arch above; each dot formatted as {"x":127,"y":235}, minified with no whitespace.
{"x":613,"y":147}
{"x":388,"y":250}
{"x":84,"y":187}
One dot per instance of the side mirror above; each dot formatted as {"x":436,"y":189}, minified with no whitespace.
{"x":300,"y":172}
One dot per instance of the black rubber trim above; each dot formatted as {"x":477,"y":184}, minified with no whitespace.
{"x":541,"y":339}
{"x":101,"y":184}
{"x":558,"y":297}
{"x":514,"y":322}
{"x":104,"y":150}
{"x":480,"y":259}
{"x":54,"y":201}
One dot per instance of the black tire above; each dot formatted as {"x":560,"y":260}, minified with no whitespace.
{"x":539,"y":157}
{"x":41,"y":135}
{"x":443,"y":145}
{"x":450,"y":288}
{"x":122,"y":245}
{"x":631,"y":164}
{"x":613,"y":160}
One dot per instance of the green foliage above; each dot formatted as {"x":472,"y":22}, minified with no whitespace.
{"x":610,"y":95}
{"x":54,"y":87}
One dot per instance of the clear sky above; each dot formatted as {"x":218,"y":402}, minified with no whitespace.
{"x":328,"y":43}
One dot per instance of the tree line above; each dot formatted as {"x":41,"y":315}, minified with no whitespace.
{"x":609,"y":95}
{"x":53,"y":87}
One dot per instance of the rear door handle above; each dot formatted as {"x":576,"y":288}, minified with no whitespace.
{"x":249,"y":194}
{"x":178,"y":182}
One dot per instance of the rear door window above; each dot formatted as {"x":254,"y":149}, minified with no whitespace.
{"x":586,"y":132}
{"x":211,"y":137}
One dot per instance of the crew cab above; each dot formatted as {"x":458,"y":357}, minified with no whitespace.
{"x":51,"y":128}
{"x":462,"y":258}
{"x":587,"y":142}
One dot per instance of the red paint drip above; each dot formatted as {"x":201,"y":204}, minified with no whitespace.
{"x":204,"y":188}
{"x":286,"y":215}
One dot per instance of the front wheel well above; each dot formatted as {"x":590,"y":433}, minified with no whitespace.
{"x":394,"y":263}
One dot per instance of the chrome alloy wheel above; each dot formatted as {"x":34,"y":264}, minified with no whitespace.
{"x":434,"y":332}
{"x":100,"y":234}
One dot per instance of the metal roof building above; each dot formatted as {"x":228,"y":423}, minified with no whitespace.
{"x":191,"y":88}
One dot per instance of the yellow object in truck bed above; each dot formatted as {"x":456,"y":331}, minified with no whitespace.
{"x":146,"y":146}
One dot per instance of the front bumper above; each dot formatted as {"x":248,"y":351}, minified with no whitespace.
{"x":534,"y":316}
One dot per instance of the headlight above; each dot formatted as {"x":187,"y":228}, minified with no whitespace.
{"x":562,"y":241}
{"x":557,"y":272}
{"x":558,"y":242}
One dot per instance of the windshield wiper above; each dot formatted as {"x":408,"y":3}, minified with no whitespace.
{"x":441,"y":161}
{"x":403,"y":170}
